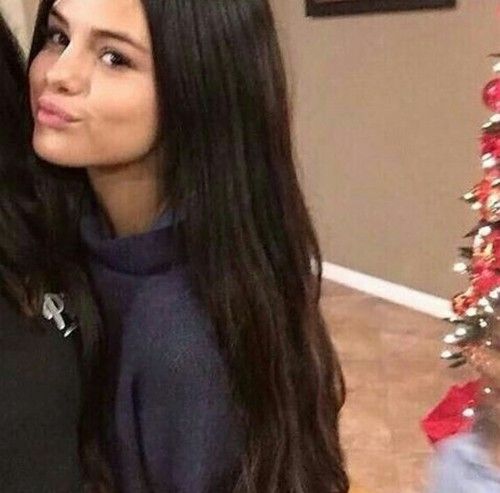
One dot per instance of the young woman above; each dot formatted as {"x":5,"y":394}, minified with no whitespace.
{"x":222,"y":376}
{"x":45,"y":444}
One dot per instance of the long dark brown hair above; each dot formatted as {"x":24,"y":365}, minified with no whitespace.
{"x":33,"y":260}
{"x":20,"y":237}
{"x":250,"y":244}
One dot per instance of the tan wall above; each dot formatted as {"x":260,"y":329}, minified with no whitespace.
{"x":30,"y":7}
{"x":387,"y":111}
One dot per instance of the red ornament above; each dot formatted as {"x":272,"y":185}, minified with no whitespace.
{"x":490,"y":144}
{"x":491,"y":95}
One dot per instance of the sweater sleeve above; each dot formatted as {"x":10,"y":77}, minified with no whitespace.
{"x":188,"y":430}
{"x":445,"y":473}
{"x":462,"y":465}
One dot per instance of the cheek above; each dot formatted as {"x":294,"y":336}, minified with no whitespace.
{"x":125,"y":122}
{"x":46,"y":143}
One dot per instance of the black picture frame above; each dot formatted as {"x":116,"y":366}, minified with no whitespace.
{"x":322,"y":8}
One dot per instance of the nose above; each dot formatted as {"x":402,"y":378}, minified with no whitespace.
{"x":68,"y":74}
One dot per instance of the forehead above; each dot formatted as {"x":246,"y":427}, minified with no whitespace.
{"x":110,"y":15}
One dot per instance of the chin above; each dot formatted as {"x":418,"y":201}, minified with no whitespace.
{"x":51,"y":149}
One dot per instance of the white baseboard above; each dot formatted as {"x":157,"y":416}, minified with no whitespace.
{"x":401,"y":295}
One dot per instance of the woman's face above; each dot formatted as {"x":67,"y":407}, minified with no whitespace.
{"x":92,"y":85}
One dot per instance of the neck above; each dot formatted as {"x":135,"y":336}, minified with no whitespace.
{"x":131,"y":196}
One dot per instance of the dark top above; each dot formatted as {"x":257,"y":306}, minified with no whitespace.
{"x":39,"y":407}
{"x":173,"y":425}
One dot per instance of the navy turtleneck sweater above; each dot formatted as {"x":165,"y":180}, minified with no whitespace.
{"x":172,"y":426}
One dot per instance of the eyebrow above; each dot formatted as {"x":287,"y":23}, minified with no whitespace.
{"x":103,"y":33}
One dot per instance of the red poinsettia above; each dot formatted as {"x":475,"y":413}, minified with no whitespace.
{"x":447,"y":418}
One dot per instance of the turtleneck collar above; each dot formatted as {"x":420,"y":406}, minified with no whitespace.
{"x":142,"y":254}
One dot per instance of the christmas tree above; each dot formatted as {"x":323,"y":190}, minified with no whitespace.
{"x":474,"y":308}
{"x":475,"y":337}
{"x":471,"y":412}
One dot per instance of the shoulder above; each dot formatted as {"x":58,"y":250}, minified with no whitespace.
{"x":38,"y":365}
{"x":459,"y":452}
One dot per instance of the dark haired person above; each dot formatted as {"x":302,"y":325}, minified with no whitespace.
{"x":46,"y":443}
{"x":173,"y":117}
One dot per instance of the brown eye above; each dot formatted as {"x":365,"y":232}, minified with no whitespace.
{"x":57,"y":37}
{"x":115,"y":59}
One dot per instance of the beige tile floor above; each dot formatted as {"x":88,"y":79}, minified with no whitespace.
{"x":390,"y":356}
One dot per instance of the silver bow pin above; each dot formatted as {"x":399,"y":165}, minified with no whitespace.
{"x":53,"y":309}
